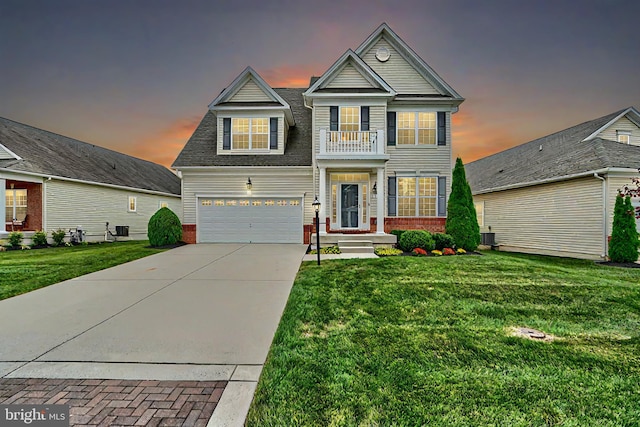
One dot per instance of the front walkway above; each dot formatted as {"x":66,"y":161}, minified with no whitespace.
{"x":195,"y":313}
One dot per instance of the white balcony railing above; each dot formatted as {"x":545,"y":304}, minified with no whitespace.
{"x":351,"y":142}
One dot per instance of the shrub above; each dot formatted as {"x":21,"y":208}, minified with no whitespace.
{"x":398,"y":234}
{"x":39,"y":238}
{"x":448,"y":251}
{"x":58,"y":237}
{"x":419,"y":252}
{"x":327,"y":250}
{"x":436,"y":252}
{"x":15,"y":239}
{"x":443,"y":241}
{"x":412,"y":239}
{"x":387,"y":251}
{"x":462,"y":222}
{"x":623,"y":246}
{"x":164,"y":228}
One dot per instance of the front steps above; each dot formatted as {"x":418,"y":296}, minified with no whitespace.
{"x":355,"y":246}
{"x":355,"y":243}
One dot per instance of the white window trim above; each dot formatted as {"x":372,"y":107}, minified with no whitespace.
{"x":251,"y":149}
{"x":417,"y":196}
{"x":626,"y":133}
{"x":135,"y":204}
{"x":481,"y":205}
{"x":417,"y":120}
{"x":359,"y":107}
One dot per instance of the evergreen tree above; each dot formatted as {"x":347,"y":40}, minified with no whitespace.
{"x":462,"y":222}
{"x":623,"y":246}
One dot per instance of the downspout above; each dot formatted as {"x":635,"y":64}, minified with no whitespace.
{"x":604,"y":215}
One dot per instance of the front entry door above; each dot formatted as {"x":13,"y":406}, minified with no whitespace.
{"x":349,"y":205}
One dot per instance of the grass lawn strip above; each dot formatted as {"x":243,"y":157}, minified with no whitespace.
{"x":407,"y":341}
{"x":26,"y":270}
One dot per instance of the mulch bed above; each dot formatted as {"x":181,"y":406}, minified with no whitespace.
{"x":619,"y":264}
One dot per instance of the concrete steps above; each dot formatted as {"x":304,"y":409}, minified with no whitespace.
{"x":355,"y":246}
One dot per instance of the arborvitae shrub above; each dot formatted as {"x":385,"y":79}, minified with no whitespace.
{"x":623,"y":246}
{"x":462,"y":223}
{"x":411,"y":239}
{"x":164,"y":228}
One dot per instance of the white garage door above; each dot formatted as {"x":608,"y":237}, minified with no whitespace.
{"x":249,"y":220}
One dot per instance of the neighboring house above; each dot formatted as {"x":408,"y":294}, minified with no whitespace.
{"x":52,"y":182}
{"x":555,"y":195}
{"x":370,"y":138}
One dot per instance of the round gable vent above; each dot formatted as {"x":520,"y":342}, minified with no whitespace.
{"x":382,"y":54}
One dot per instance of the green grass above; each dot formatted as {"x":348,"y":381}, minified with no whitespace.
{"x":22,"y":271}
{"x":412,"y":341}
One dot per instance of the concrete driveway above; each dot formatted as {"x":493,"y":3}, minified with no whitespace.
{"x":198,"y":312}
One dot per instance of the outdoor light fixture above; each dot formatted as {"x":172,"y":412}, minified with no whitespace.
{"x":249,"y":184}
{"x":316,"y":207}
{"x":375,"y":188}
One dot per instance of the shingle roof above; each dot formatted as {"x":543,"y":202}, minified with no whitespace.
{"x":46,"y":153}
{"x":201,"y":149}
{"x":557,"y":155}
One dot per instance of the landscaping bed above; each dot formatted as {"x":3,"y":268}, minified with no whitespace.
{"x":426,"y":341}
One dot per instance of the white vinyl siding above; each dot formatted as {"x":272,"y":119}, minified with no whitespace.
{"x":69,"y":205}
{"x":349,"y":77}
{"x":625,"y":125}
{"x":250,"y":92}
{"x":285,"y":182}
{"x":5,"y":154}
{"x":397,"y":72}
{"x":563,"y":219}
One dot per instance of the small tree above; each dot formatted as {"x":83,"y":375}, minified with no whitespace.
{"x":623,"y":246}
{"x":164,"y":228}
{"x":462,"y":223}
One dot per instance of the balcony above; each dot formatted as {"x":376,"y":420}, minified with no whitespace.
{"x":351,"y":144}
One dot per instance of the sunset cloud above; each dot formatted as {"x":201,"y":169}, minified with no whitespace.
{"x":164,"y":145}
{"x":475,"y":138}
{"x":290,"y":75}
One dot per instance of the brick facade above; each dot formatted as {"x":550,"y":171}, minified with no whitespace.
{"x":34,"y":204}
{"x":189,"y":233}
{"x":433,"y":225}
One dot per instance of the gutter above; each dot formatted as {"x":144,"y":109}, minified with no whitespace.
{"x":604,"y":215}
{"x":544,"y":181}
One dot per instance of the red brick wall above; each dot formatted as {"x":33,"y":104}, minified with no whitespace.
{"x":34,"y":203}
{"x":434,"y":225}
{"x":189,"y":233}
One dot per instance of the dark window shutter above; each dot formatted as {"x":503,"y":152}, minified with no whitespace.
{"x":391,"y":194}
{"x":442,"y":196}
{"x":364,"y":118}
{"x":391,"y":128}
{"x":226,"y":133}
{"x":333,"y":118}
{"x":273,"y":133}
{"x":442,"y":128}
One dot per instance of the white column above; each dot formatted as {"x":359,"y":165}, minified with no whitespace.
{"x":381,"y":197}
{"x":322,"y":197}
{"x":3,"y":200}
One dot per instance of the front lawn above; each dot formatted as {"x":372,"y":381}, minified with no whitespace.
{"x":412,"y":341}
{"x":25,"y":270}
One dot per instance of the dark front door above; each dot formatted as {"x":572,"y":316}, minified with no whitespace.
{"x":349,"y":205}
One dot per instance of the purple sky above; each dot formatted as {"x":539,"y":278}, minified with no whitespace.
{"x":137,"y":76}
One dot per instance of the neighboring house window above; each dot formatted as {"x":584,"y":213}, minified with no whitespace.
{"x":417,"y":196}
{"x":20,"y":204}
{"x":417,"y":128}
{"x":624,"y":136}
{"x":480,"y":213}
{"x":164,"y":205}
{"x":132,"y":204}
{"x":350,"y":119}
{"x":250,"y":134}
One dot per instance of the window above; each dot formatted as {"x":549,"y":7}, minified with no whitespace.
{"x":164,"y":205}
{"x":624,"y":136}
{"x":416,"y":128}
{"x":350,"y":119}
{"x":244,"y":203}
{"x":219,"y":203}
{"x":417,"y":196}
{"x":480,"y":213}
{"x":206,"y":202}
{"x":20,"y":204}
{"x":250,"y":134}
{"x":132,"y":204}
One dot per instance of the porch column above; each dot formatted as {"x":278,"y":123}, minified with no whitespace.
{"x":380,"y":200}
{"x":322,"y":197}
{"x":3,"y":200}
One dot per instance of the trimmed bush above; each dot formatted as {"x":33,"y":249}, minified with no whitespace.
{"x":398,"y":234}
{"x":623,"y":246}
{"x":412,"y":239}
{"x":39,"y":238}
{"x":15,"y":239}
{"x":164,"y":228}
{"x":443,"y":241}
{"x":58,"y":237}
{"x":462,"y":222}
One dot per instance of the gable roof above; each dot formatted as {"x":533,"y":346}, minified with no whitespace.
{"x":410,"y":56}
{"x":202,"y":149}
{"x":630,"y":113}
{"x":48,"y":154}
{"x":349,"y":57}
{"x":223,"y":100}
{"x":562,"y":154}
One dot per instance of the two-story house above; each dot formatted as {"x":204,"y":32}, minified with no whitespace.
{"x":370,"y":139}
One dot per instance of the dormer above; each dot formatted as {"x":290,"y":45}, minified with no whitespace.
{"x":623,"y":128}
{"x":251,"y":117}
